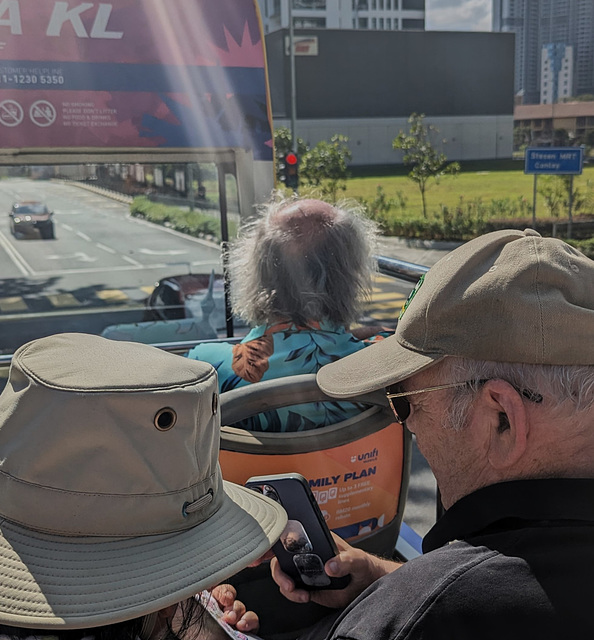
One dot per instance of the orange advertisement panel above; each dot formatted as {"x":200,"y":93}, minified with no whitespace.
{"x":357,"y":485}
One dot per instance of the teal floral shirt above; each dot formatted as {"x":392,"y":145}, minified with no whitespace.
{"x":281,"y":350}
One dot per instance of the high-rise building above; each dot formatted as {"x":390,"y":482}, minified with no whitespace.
{"x":556,"y":73}
{"x":384,"y":15}
{"x":540,"y":23}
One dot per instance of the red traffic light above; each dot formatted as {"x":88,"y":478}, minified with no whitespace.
{"x":291,"y":158}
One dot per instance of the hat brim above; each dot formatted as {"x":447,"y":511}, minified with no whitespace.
{"x":380,"y":365}
{"x":54,"y":581}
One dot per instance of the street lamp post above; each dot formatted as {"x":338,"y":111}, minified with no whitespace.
{"x":292,"y":72}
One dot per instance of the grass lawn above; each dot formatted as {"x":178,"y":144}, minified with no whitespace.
{"x":473,"y":182}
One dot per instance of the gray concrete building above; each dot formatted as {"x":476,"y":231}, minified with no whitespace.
{"x":366,"y":84}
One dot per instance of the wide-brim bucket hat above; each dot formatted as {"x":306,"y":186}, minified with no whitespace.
{"x":506,"y":296}
{"x":112,"y":503}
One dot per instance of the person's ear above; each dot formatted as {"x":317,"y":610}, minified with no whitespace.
{"x":508,"y":424}
{"x":159,"y":622}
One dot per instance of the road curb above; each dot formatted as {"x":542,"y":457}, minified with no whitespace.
{"x":108,"y":193}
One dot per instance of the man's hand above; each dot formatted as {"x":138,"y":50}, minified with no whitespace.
{"x":363,"y":568}
{"x":234,"y":611}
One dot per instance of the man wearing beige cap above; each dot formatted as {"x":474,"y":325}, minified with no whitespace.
{"x":113,"y":511}
{"x":492,"y":368}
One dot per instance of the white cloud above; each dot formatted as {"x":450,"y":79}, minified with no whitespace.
{"x":458,"y":15}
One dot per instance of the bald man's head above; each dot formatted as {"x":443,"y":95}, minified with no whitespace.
{"x":304,"y":260}
{"x":305,"y":221}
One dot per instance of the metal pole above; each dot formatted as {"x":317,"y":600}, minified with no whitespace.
{"x":534,"y":203}
{"x":221,"y":171}
{"x":293,"y":81}
{"x":570,"y":221}
{"x":190,"y":189}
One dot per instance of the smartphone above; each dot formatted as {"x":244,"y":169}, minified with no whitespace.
{"x":306,"y":543}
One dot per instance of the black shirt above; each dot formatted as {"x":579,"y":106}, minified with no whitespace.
{"x":511,"y":561}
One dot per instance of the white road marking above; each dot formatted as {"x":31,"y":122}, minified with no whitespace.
{"x":132,"y":261}
{"x":79,"y":255}
{"x":65,"y":272}
{"x":67,"y":227}
{"x":84,"y":236}
{"x":21,"y":264}
{"x":165,"y":252}
{"x":104,"y":248}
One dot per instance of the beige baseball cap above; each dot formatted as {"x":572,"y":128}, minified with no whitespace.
{"x":112,"y":503}
{"x":507,"y":296}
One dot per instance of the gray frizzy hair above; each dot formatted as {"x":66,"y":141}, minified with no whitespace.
{"x":567,"y":390}
{"x":279,"y":274}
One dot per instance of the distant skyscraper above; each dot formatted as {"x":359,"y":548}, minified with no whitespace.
{"x":385,"y":15}
{"x":556,"y":73}
{"x":540,"y":23}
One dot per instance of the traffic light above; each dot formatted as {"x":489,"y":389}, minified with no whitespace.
{"x":290,"y":170}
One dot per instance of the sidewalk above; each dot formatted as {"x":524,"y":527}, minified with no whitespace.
{"x":425,"y":252}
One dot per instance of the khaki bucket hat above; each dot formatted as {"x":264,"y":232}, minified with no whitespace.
{"x":507,"y":296}
{"x":112,"y":504}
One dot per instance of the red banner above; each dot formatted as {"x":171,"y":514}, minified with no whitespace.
{"x":133,"y":73}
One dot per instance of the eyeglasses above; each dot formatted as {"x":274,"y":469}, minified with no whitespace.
{"x":401,"y":406}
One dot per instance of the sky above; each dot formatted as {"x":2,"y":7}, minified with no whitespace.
{"x":458,"y":15}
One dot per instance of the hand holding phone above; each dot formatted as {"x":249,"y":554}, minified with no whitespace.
{"x":306,"y":544}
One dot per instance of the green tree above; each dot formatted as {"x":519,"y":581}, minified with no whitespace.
{"x":553,"y":193}
{"x":325,"y":166}
{"x":522,"y":137}
{"x":427,"y":163}
{"x":560,"y":138}
{"x":578,"y":199}
{"x":283,"y":143}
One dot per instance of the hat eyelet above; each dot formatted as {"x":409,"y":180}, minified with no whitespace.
{"x":196,"y":505}
{"x":165,"y":419}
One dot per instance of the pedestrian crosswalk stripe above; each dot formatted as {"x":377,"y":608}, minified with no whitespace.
{"x":385,"y":305}
{"x":385,"y":315}
{"x":388,"y":296}
{"x":13,"y":303}
{"x":112,"y":295}
{"x":63,"y":300}
{"x":384,"y":279}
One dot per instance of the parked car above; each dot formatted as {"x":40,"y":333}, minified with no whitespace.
{"x":30,"y":215}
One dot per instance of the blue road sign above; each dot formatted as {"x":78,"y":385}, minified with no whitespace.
{"x":554,"y":160}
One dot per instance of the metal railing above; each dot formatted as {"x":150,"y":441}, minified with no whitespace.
{"x":392,"y":267}
{"x":407,"y":271}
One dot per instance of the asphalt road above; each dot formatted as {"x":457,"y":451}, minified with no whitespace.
{"x":102,"y":265}
{"x":98,"y":270}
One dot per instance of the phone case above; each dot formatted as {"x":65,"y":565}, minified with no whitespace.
{"x":306,"y":544}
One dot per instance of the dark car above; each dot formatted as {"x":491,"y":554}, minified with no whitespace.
{"x":27,"y":216}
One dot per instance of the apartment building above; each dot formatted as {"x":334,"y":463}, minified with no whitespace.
{"x":538,"y":24}
{"x":556,"y":73}
{"x":382,"y":15}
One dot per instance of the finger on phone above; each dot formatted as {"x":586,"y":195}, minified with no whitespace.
{"x":286,"y":584}
{"x":267,"y":556}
